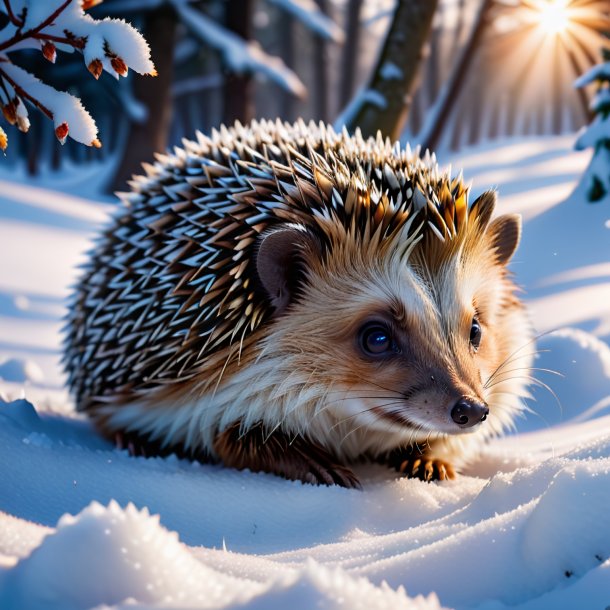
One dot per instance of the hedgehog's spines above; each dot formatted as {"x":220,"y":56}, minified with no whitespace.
{"x":187,"y":237}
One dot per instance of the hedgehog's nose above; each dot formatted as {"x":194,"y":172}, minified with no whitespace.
{"x":468,"y":412}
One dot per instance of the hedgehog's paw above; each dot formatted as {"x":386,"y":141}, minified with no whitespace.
{"x":426,"y":468}
{"x":293,"y":458}
{"x":420,"y":463}
{"x":320,"y":473}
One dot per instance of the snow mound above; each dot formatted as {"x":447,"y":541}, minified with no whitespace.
{"x":106,"y":555}
{"x":577,"y":497}
{"x":575,"y":365}
{"x":19,"y":371}
{"x":316,"y":586}
{"x":109,"y":556}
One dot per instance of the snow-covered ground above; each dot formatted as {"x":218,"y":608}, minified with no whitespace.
{"x":525,"y":527}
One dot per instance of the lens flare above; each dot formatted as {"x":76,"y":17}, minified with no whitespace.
{"x":554,"y":16}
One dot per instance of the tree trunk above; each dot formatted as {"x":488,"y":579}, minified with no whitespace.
{"x":238,"y":93}
{"x":349,"y":63}
{"x":321,"y":71}
{"x":385,"y":105}
{"x":32,"y":148}
{"x":457,"y":79}
{"x":155,"y":93}
{"x":287,"y":36}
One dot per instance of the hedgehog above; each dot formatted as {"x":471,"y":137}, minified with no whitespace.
{"x":289,"y":299}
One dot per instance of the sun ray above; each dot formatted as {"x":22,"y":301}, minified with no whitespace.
{"x":544,"y":45}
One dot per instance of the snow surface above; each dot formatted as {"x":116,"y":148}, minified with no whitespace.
{"x":526,"y":526}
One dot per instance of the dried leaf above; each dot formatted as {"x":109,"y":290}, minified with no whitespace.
{"x":87,"y":4}
{"x":49,"y":51}
{"x":96,"y":67}
{"x":119,"y":66}
{"x":61,"y":131}
{"x":10,"y":112}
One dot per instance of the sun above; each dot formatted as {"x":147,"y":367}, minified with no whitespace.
{"x":554,"y":16}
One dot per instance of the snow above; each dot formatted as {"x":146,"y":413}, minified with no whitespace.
{"x":390,"y":71}
{"x":20,"y":371}
{"x":308,"y":13}
{"x":363,"y":97}
{"x":600,"y":71}
{"x":593,"y":134}
{"x":84,"y":525}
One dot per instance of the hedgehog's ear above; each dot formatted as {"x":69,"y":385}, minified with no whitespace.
{"x":505,"y":234}
{"x":278,"y":263}
{"x":484,"y":206}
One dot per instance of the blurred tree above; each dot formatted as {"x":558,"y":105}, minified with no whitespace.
{"x":349,"y":63}
{"x":159,"y":26}
{"x":238,"y":102}
{"x":321,"y":111}
{"x":384,"y":102}
{"x":596,"y":178}
{"x":439,"y":115}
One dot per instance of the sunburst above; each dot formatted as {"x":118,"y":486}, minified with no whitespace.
{"x":546,"y":45}
{"x":553,"y":16}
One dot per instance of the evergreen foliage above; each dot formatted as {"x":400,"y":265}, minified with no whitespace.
{"x":596,"y":178}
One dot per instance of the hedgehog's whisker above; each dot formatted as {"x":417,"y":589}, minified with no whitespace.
{"x":535,"y":381}
{"x":526,"y":368}
{"x":516,"y":352}
{"x":514,"y":356}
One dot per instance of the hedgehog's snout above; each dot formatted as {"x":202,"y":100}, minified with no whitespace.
{"x":468,"y":412}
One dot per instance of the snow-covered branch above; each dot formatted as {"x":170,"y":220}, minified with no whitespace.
{"x":308,"y":13}
{"x":110,"y":45}
{"x":239,"y":56}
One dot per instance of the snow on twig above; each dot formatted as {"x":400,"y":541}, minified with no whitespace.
{"x":51,"y":25}
{"x":238,"y":55}
{"x":308,"y":13}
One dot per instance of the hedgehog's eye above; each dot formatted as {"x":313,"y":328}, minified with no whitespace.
{"x":376,"y":340}
{"x":475,"y":334}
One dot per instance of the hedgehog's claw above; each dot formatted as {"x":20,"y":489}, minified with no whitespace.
{"x":415,"y":464}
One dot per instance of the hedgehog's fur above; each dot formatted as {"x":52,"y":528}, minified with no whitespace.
{"x":171,"y":333}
